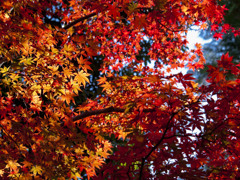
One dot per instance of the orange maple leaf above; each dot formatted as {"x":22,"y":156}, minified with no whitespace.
{"x":84,"y":64}
{"x":81,"y":78}
{"x":13,"y":165}
{"x":68,"y":97}
{"x":102,"y":80}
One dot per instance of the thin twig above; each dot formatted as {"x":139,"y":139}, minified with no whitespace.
{"x":8,"y":135}
{"x":2,"y":63}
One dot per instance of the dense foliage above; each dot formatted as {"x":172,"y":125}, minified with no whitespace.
{"x":147,"y":123}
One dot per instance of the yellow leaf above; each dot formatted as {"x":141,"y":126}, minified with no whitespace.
{"x":26,"y":61}
{"x":75,"y":176}
{"x":71,"y":31}
{"x":47,"y":87}
{"x":14,"y":76}
{"x":195,"y":85}
{"x":75,"y":86}
{"x":36,"y":88}
{"x":1,"y":172}
{"x":68,"y":48}
{"x":4,"y":70}
{"x":54,"y":68}
{"x":54,"y":50}
{"x":36,"y":170}
{"x":67,"y":72}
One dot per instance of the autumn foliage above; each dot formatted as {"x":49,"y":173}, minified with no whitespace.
{"x":151,"y":124}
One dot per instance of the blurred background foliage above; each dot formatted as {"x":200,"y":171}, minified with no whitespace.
{"x":229,"y":43}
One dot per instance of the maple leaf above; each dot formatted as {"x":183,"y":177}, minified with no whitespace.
{"x":122,"y":134}
{"x":214,"y":27}
{"x":68,"y":49}
{"x":14,"y":77}
{"x":102,"y":80}
{"x":4,"y":70}
{"x":26,"y":61}
{"x":84,"y":64}
{"x":36,"y":170}
{"x":13,"y":165}
{"x":107,"y":86}
{"x":75,"y":176}
{"x":103,"y":153}
{"x":81,"y":78}
{"x":27,"y":164}
{"x":218,"y":36}
{"x":113,"y":10}
{"x":68,"y":97}
{"x":90,"y":51}
{"x":7,"y":4}
{"x":204,"y":26}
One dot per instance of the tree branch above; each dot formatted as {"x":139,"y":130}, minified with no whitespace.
{"x":10,"y":137}
{"x":79,"y":20}
{"x":156,"y":146}
{"x":145,"y":10}
{"x":106,"y":110}
{"x":163,"y":136}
